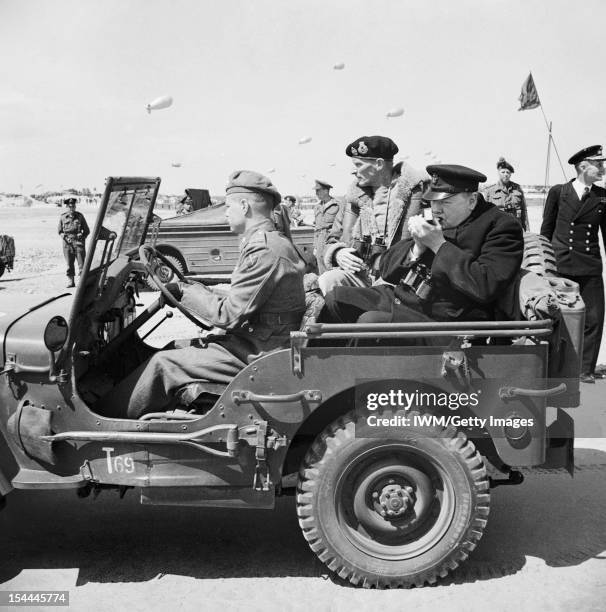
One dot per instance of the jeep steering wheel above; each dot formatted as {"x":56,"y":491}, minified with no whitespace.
{"x":149,"y":257}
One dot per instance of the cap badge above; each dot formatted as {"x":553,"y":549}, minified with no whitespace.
{"x":362,"y":148}
{"x":354,"y":151}
{"x":435,"y":178}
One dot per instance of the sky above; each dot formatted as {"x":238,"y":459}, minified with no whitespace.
{"x":251,"y":78}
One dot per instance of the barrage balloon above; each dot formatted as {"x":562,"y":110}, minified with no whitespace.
{"x":159,"y":103}
{"x":305,"y":140}
{"x":395,"y":112}
{"x":339,"y":66}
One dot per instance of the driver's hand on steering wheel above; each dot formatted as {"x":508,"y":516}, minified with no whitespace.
{"x":175,"y":290}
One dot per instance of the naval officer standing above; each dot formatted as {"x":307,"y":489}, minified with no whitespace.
{"x":574,"y":214}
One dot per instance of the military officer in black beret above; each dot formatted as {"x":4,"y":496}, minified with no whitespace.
{"x":574,"y":214}
{"x":264,"y":304}
{"x":74,"y":231}
{"x":459,"y":266}
{"x":507,"y":195}
{"x":377,"y":207}
{"x":325,"y":212}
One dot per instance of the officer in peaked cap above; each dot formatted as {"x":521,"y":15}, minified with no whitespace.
{"x":574,"y":215}
{"x":264,"y":304}
{"x":74,"y":230}
{"x":377,"y":207}
{"x":325,"y":212}
{"x":506,"y":194}
{"x":459,"y":266}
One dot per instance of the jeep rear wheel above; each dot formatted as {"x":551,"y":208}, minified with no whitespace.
{"x":165,"y":274}
{"x":392,"y":512}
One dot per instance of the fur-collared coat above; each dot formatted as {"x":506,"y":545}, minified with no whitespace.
{"x":357,"y":217}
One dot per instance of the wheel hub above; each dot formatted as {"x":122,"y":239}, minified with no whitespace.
{"x":394,"y":499}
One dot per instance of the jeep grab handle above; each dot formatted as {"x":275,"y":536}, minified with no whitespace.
{"x":509,"y":392}
{"x":242,"y":397}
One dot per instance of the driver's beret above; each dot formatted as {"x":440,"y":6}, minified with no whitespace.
{"x":248,"y":181}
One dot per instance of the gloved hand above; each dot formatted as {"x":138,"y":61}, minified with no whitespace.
{"x":175,"y":290}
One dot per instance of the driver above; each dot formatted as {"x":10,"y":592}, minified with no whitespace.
{"x":264,"y":304}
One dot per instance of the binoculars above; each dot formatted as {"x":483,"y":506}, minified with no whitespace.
{"x":367,"y":249}
{"x":419,"y":280}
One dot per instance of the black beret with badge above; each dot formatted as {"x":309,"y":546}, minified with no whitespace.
{"x":450,"y":179}
{"x":69,"y":201}
{"x":372,"y":147}
{"x":503,"y":163}
{"x":248,"y":181}
{"x":593,"y":153}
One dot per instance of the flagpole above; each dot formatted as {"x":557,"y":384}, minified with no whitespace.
{"x":549,"y":129}
{"x":551,"y":140}
{"x":547,"y":164}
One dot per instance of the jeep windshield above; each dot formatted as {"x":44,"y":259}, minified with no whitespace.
{"x":125,"y":212}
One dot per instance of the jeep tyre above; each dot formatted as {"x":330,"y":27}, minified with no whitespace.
{"x":395,"y":512}
{"x":2,"y":268}
{"x":165,"y":274}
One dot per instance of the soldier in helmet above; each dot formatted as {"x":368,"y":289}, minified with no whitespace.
{"x":507,"y":195}
{"x":74,"y":231}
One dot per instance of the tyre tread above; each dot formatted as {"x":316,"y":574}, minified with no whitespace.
{"x":320,"y":452}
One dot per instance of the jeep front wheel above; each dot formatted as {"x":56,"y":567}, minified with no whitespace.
{"x":392,"y":512}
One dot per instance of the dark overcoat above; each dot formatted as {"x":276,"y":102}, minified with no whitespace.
{"x":473,"y":273}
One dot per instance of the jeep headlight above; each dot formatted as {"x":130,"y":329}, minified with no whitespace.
{"x":55,"y":333}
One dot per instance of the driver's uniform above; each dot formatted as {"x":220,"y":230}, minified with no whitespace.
{"x":265,"y":303}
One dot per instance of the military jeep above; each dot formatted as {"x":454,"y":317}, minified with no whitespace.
{"x":391,"y":449}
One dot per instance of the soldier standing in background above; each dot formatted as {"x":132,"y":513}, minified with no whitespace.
{"x":325,"y":212}
{"x":294,"y":211}
{"x":74,"y":230}
{"x":507,"y":195}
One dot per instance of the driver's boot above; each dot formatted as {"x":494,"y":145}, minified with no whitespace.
{"x":70,"y":282}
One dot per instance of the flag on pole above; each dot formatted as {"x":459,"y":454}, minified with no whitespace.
{"x":529,"y":98}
